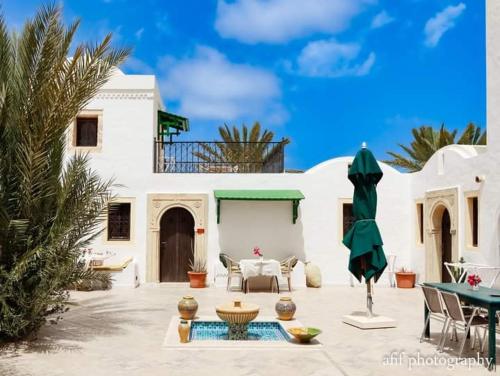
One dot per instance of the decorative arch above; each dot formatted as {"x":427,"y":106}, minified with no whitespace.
{"x":159,"y":204}
{"x":436,"y":202}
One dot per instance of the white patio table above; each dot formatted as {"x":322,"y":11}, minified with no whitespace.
{"x":259,"y":267}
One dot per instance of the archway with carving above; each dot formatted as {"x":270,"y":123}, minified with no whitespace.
{"x":159,"y":204}
{"x":436,"y":202}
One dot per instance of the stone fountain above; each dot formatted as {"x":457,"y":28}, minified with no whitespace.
{"x":237,"y":315}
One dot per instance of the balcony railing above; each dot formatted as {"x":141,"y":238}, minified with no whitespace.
{"x":219,"y":157}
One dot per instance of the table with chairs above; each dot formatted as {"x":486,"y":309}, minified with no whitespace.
{"x":458,"y":307}
{"x":246,"y":270}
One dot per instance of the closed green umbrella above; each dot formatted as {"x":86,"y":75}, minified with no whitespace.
{"x":367,"y":259}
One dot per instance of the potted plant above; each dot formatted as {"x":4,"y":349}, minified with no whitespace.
{"x":405,"y":279}
{"x":198,"y":274}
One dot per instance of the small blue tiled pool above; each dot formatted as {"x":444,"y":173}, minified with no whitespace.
{"x":217,"y":330}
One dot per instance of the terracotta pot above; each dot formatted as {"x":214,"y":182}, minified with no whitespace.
{"x":285,"y":308}
{"x":183,"y":329}
{"x":187,"y":307}
{"x":197,"y":280}
{"x":405,"y":280}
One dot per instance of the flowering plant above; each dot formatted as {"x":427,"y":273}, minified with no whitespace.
{"x":257,"y":252}
{"x":473,"y":280}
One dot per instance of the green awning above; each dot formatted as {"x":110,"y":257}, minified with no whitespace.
{"x":168,"y":121}
{"x":293,"y":195}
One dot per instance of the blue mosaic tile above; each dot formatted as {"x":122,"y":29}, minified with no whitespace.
{"x":217,"y":331}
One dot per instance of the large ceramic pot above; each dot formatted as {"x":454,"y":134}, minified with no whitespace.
{"x":187,"y":307}
{"x":197,"y":280}
{"x":285,"y":308}
{"x":405,"y":280}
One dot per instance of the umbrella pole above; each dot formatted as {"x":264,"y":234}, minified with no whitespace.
{"x":369,"y":299}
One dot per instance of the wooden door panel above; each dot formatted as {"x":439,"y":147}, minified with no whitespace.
{"x":176,"y":242}
{"x":445,"y":246}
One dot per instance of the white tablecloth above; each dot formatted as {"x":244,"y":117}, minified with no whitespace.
{"x":256,"y":267}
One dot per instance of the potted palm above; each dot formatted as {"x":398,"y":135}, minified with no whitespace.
{"x":198,"y":274}
{"x":405,"y":279}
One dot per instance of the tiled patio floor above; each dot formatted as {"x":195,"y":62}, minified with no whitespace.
{"x":120,"y":332}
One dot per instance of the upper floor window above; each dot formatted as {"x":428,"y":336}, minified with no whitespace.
{"x":86,"y":131}
{"x":119,"y":215}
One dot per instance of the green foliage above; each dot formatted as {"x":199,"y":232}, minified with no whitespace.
{"x":50,"y":206}
{"x":428,"y":140}
{"x":245,"y":149}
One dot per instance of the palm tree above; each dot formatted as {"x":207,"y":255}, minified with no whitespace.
{"x":50,"y":205}
{"x":428,"y":140}
{"x":244,"y":150}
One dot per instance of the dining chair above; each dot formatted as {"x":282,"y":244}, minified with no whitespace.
{"x":233,"y":271}
{"x":391,"y":269}
{"x":436,"y":310}
{"x":287,"y":266}
{"x":459,"y":320}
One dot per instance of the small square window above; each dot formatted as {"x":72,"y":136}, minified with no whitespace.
{"x":347,"y":218}
{"x":86,"y":131}
{"x":119,"y":221}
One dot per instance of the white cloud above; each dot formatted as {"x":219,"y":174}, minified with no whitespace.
{"x":138,"y":33}
{"x":278,"y":21}
{"x":329,"y":58}
{"x":162,"y":24}
{"x":441,"y":23}
{"x":381,"y":19}
{"x":134,"y":65}
{"x":209,"y":86}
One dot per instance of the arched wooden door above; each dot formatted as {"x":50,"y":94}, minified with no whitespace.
{"x":176,"y":245}
{"x":445,"y":245}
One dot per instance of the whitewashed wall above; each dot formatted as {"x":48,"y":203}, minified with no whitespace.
{"x":129,"y":105}
{"x":462,"y":164}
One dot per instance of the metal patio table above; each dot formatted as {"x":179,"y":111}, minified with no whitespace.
{"x":485,"y":297}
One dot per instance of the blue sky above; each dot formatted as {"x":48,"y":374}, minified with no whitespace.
{"x":328,"y":74}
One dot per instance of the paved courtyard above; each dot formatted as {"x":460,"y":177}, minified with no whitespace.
{"x":120,"y":332}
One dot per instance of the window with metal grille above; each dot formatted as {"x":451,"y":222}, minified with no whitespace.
{"x":119,"y":221}
{"x":347,"y":217}
{"x":86,"y":131}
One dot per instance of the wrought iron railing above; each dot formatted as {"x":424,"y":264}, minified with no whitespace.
{"x":219,"y":157}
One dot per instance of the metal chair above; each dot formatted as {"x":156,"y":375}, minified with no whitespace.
{"x":456,"y":317}
{"x":287,"y":266}
{"x":436,"y":310}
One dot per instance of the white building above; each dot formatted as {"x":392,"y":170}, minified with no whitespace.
{"x":461,"y":183}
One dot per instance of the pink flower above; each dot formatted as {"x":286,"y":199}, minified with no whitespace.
{"x":474,"y":280}
{"x":256,"y":252}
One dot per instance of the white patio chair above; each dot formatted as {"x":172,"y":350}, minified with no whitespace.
{"x":287,"y":268}
{"x":233,"y":271}
{"x":391,"y":270}
{"x":489,"y":274}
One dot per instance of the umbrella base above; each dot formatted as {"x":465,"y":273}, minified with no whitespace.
{"x":361,"y":320}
